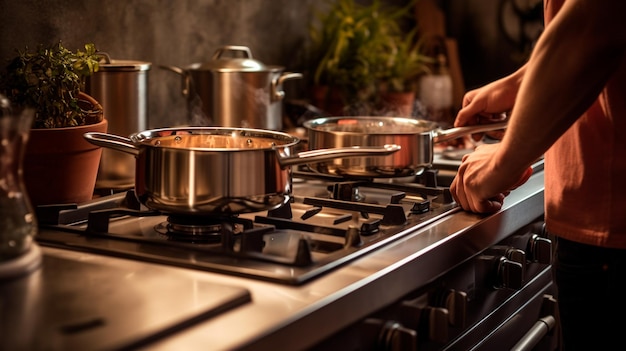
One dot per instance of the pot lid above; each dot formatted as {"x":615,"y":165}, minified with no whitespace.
{"x":110,"y":64}
{"x":232,"y":58}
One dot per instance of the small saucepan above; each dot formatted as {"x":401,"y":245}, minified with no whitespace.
{"x":415,"y":137}
{"x":217,"y":171}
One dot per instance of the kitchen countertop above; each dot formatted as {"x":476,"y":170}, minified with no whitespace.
{"x":91,"y":301}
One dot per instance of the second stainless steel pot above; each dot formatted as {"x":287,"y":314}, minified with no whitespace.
{"x":416,"y":138}
{"x":217,"y":171}
{"x":235,"y":90}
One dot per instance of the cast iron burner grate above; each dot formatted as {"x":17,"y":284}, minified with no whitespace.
{"x":307,"y":237}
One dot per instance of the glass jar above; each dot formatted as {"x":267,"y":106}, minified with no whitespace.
{"x":18,"y":224}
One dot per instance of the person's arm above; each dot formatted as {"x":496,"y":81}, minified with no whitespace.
{"x":573,"y":59}
{"x":569,"y":67}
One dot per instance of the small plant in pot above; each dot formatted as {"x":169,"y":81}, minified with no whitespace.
{"x":360,"y":52}
{"x":406,"y":64}
{"x":60,"y":166}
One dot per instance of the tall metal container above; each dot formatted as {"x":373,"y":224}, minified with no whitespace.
{"x":235,"y":90}
{"x":121,"y":87}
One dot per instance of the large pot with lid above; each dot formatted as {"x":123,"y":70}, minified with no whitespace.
{"x":235,"y":90}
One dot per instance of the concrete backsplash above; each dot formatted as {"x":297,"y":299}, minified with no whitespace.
{"x":162,"y":32}
{"x":182,"y":32}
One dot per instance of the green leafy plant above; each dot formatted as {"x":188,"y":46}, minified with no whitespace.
{"x":50,"y":79}
{"x":406,"y":63}
{"x":360,"y":49}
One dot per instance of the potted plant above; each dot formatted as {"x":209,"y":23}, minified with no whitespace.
{"x":397,"y":84}
{"x":359,"y":51}
{"x":60,"y":167}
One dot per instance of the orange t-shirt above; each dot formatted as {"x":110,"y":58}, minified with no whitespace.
{"x":585,"y":170}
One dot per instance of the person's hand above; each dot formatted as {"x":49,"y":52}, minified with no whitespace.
{"x":488,"y":104}
{"x":479,"y":186}
{"x":477,"y":139}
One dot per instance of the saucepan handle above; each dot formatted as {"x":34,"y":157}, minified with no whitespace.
{"x":186,"y":78}
{"x":454,"y":133}
{"x":321,"y":155}
{"x":112,"y":141}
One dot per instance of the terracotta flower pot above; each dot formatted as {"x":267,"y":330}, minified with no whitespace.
{"x":398,"y":103}
{"x":328,"y":100}
{"x":60,"y":166}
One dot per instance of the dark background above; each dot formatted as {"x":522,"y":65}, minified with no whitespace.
{"x":494,"y":36}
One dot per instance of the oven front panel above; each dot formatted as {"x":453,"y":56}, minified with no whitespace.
{"x":486,"y":303}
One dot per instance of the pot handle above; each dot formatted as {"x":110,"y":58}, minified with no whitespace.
{"x":243,"y":49}
{"x":277,"y":84}
{"x":112,"y":141}
{"x":453,"y":133}
{"x":186,"y":82}
{"x":319,"y":155}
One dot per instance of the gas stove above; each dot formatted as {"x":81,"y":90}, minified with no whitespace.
{"x":344,"y":264}
{"x":328,"y":222}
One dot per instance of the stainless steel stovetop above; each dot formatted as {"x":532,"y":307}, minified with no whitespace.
{"x":327,"y":223}
{"x":96,"y":292}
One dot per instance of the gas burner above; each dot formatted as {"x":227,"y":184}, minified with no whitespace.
{"x":346,"y":191}
{"x":195,"y":229}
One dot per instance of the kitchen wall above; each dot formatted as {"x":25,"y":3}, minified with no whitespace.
{"x":182,"y":32}
{"x":163,"y":32}
{"x":495,"y":37}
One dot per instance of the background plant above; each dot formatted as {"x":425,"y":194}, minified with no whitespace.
{"x":405,"y":64}
{"x":50,"y":80}
{"x":360,"y":49}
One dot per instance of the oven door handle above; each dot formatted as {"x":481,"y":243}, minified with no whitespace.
{"x":535,"y":334}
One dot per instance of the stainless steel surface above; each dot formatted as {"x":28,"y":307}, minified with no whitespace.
{"x":121,"y":87}
{"x":76,"y":301}
{"x":539,"y":330}
{"x":516,"y":315}
{"x":235,"y":90}
{"x":416,"y":137}
{"x":215,"y":170}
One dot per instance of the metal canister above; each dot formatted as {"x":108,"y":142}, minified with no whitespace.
{"x":121,"y":87}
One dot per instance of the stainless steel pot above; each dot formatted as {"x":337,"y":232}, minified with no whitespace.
{"x":235,"y":90}
{"x":217,"y":171}
{"x":416,"y":138}
{"x":121,"y":87}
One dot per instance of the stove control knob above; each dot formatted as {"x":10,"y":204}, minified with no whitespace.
{"x":456,"y":303}
{"x":540,"y":249}
{"x":420,"y":315}
{"x":516,"y":255}
{"x":395,"y":337}
{"x":510,"y":253}
{"x":391,"y":335}
{"x":509,"y":274}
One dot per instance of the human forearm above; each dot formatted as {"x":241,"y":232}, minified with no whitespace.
{"x":568,"y":69}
